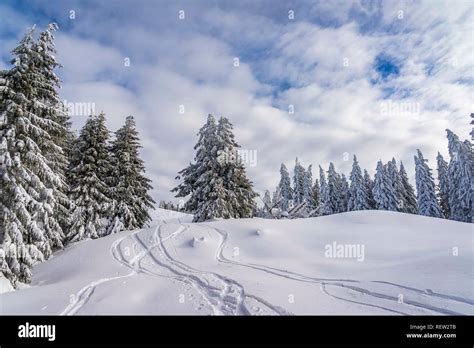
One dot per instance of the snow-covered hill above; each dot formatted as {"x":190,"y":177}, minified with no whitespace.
{"x":394,"y":264}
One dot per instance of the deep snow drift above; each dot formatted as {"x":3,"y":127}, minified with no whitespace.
{"x":370,"y":262}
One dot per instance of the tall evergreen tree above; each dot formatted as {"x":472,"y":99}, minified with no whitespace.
{"x":345,"y":194}
{"x":29,"y":180}
{"x":385,"y":196}
{"x":91,"y":192}
{"x":334,"y":189}
{"x":460,"y":178}
{"x":267,"y":201}
{"x":407,"y":193}
{"x":285,"y":188}
{"x":308,"y":188}
{"x":240,"y":196}
{"x":325,"y":198}
{"x":316,"y":198}
{"x":196,"y":174}
{"x":298,"y":183}
{"x":359,"y":197}
{"x":217,"y":182}
{"x":129,"y":184}
{"x":425,"y":188}
{"x":56,"y":218}
{"x":443,"y":185}
{"x":369,"y":184}
{"x":392,"y":172}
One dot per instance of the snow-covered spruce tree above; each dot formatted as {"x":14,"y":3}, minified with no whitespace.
{"x":90,"y":190}
{"x":285,"y":188}
{"x":325,"y":207}
{"x":345,"y":194}
{"x":392,"y":172}
{"x":385,"y":196}
{"x":359,"y":197}
{"x":316,"y":198}
{"x":56,"y":149}
{"x":130,"y":186}
{"x":407,"y":193}
{"x":308,"y":188}
{"x":298,"y":182}
{"x":443,"y":185}
{"x":369,"y":185}
{"x":460,"y":178}
{"x":425,"y":188}
{"x":28,"y":177}
{"x":205,"y":161}
{"x":216,"y":182}
{"x":334,"y":193}
{"x":267,"y":202}
{"x":240,"y":193}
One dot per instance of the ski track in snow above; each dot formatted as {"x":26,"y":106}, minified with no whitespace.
{"x":349,"y":284}
{"x":83,"y":295}
{"x":225,"y":296}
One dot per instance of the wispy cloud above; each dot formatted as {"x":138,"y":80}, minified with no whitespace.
{"x":322,"y":65}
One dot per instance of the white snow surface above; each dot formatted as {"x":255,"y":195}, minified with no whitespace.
{"x":411,"y":265}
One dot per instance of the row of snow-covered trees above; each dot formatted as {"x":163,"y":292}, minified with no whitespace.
{"x":216,"y":183}
{"x":56,"y":188}
{"x":107,"y":184}
{"x":390,"y":189}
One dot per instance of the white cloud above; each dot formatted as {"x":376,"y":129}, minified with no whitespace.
{"x":337,"y":107}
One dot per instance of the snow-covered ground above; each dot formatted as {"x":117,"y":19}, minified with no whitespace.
{"x":407,"y":264}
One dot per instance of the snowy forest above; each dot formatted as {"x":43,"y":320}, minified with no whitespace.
{"x":218,"y":187}
{"x":58,"y":188}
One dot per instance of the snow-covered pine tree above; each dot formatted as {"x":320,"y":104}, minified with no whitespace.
{"x":240,"y":194}
{"x":425,"y":188}
{"x":345,"y":194}
{"x":267,"y":202}
{"x":369,"y":185}
{"x":316,"y":198}
{"x":359,"y":197}
{"x":30,"y":229}
{"x":325,"y":207}
{"x":395,"y":179}
{"x":130,"y":186}
{"x":285,"y":188}
{"x":217,"y":181}
{"x":298,"y":182}
{"x":385,"y":196}
{"x":91,"y":193}
{"x":443,"y":185}
{"x":408,"y":193}
{"x":334,"y":193}
{"x":460,"y":178}
{"x":196,"y":176}
{"x":55,"y":218}
{"x":308,"y":189}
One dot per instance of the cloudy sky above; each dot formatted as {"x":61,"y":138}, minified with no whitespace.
{"x":321,"y":80}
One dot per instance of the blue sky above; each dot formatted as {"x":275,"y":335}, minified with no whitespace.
{"x":378,"y":79}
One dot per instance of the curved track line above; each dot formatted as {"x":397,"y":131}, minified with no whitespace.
{"x":338,"y":282}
